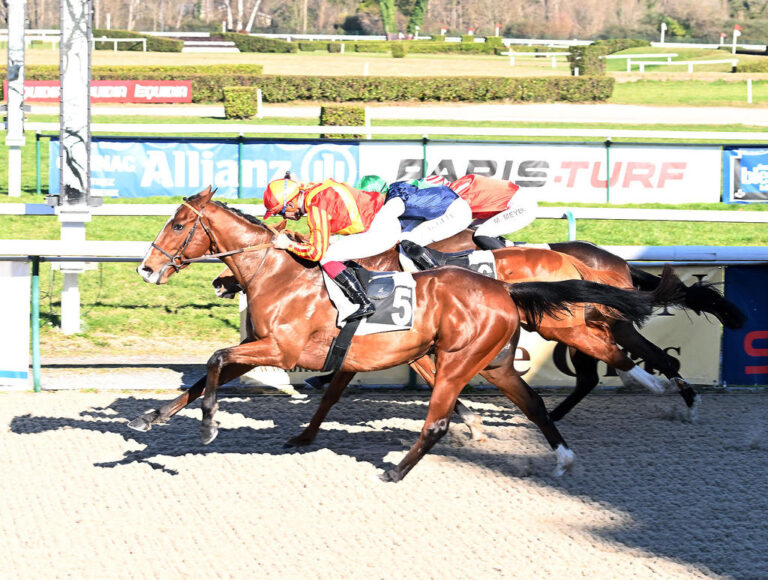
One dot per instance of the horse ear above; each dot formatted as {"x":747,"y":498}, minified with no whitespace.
{"x":206,"y":195}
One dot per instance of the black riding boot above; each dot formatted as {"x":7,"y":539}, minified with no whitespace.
{"x":488,"y":243}
{"x":419,"y":255}
{"x":350,"y":285}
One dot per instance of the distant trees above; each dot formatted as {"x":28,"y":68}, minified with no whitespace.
{"x":693,"y":19}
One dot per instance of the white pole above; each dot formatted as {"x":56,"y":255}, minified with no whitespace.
{"x":511,"y":57}
{"x":109,"y":21}
{"x":733,"y":42}
{"x":14,"y":137}
{"x":259,"y":101}
{"x":367,"y":122}
{"x":342,"y":48}
{"x":554,"y":62}
{"x":749,"y":91}
{"x":663,"y":30}
{"x":575,"y":71}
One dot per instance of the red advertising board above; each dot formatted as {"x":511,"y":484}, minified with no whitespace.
{"x":113,"y":91}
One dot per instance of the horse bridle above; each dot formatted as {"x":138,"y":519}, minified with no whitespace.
{"x":176,"y":261}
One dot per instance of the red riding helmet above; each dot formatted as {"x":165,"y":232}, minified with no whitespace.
{"x":278,"y":193}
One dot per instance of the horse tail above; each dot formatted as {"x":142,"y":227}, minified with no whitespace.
{"x":700,"y":297}
{"x":538,"y":299}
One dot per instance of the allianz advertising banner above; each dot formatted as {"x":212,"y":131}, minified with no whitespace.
{"x":128,"y":168}
{"x":745,"y":351}
{"x":745,"y":175}
{"x":563,"y":173}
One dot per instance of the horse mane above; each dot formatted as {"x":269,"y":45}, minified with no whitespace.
{"x":251,"y":218}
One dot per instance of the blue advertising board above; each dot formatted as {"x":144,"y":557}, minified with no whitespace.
{"x":745,"y":175}
{"x":123,"y":167}
{"x":745,"y":351}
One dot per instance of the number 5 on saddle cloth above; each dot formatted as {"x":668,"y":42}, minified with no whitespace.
{"x":393,"y":294}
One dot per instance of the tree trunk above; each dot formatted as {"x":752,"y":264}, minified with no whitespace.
{"x":253,"y":15}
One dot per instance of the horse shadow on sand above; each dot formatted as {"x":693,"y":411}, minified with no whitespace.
{"x":693,"y":492}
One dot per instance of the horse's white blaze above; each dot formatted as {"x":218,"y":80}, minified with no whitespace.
{"x":565,"y":459}
{"x":637,"y":376}
{"x":154,"y":276}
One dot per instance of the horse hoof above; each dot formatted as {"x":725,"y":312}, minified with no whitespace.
{"x":565,"y":459}
{"x":208,"y":433}
{"x":390,"y":476}
{"x":144,"y":423}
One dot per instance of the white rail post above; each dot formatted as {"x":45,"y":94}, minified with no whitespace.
{"x":14,"y":137}
{"x":259,"y":102}
{"x":749,"y":91}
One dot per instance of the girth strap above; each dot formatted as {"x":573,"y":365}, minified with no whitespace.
{"x":340,"y":346}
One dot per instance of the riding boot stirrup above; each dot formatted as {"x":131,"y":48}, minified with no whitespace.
{"x":488,"y":242}
{"x":352,"y":289}
{"x":419,"y":255}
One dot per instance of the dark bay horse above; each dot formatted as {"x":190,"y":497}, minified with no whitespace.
{"x":464,"y":319}
{"x":700,"y":297}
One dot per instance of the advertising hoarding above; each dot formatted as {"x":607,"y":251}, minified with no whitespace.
{"x":745,"y":350}
{"x":113,"y":91}
{"x":745,"y":175}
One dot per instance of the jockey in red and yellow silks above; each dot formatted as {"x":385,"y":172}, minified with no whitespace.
{"x":331,"y":208}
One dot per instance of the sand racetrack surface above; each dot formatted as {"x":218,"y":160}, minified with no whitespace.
{"x":84,"y":496}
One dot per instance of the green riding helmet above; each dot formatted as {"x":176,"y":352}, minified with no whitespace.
{"x":372,"y":183}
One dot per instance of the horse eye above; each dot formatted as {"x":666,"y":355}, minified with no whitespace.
{"x":178,"y":227}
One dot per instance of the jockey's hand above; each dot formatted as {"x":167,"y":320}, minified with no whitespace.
{"x":282,"y":241}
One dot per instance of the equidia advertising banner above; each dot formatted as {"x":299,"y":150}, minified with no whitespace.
{"x":113,"y":91}
{"x":564,"y":173}
{"x":745,"y":175}
{"x":139,"y":169}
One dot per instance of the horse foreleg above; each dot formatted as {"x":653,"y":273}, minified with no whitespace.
{"x":164,"y":413}
{"x":331,"y":396}
{"x":265,"y":352}
{"x":628,"y":337}
{"x":532,"y":405}
{"x":586,"y":380}
{"x":426,"y":370}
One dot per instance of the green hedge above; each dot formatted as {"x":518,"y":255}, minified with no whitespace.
{"x":757,"y":66}
{"x":399,"y":49}
{"x":588,"y":58}
{"x":284,"y":88}
{"x":154,"y":43}
{"x":246,"y":43}
{"x":342,"y":115}
{"x":207,"y":80}
{"x":240,"y":102}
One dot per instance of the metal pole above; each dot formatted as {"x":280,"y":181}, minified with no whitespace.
{"x":37,"y":162}
{"x":608,"y":170}
{"x":240,"y":166}
{"x":35,"y":322}
{"x":571,"y":225}
{"x":424,"y":140}
{"x":15,"y":138}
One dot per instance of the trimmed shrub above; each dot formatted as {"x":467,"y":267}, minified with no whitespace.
{"x":376,"y":46}
{"x":154,"y":43}
{"x":246,"y":43}
{"x":588,"y":58}
{"x":240,"y":102}
{"x":468,"y":38}
{"x":493,"y":40}
{"x":335,"y":47}
{"x":312,"y":45}
{"x":399,"y":49}
{"x":342,"y":115}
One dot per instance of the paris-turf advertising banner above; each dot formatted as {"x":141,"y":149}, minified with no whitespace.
{"x":567,"y":173}
{"x":745,"y":175}
{"x":130,"y":168}
{"x":564,"y":172}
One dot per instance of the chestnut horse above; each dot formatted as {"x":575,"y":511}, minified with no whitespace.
{"x":588,"y":330}
{"x":700,"y":297}
{"x":465,"y":319}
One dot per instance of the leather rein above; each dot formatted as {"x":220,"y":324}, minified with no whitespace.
{"x":176,"y":261}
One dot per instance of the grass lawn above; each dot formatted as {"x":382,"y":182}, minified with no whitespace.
{"x":123,"y":314}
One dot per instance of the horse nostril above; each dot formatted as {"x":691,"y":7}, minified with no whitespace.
{"x":145,"y":269}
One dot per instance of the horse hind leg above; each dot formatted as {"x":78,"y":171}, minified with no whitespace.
{"x":474,"y":422}
{"x":331,"y":396}
{"x":586,"y":380}
{"x":532,"y":405}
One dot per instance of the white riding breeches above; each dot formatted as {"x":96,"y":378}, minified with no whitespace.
{"x":382,"y":235}
{"x":457,"y":217}
{"x":520,"y":212}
